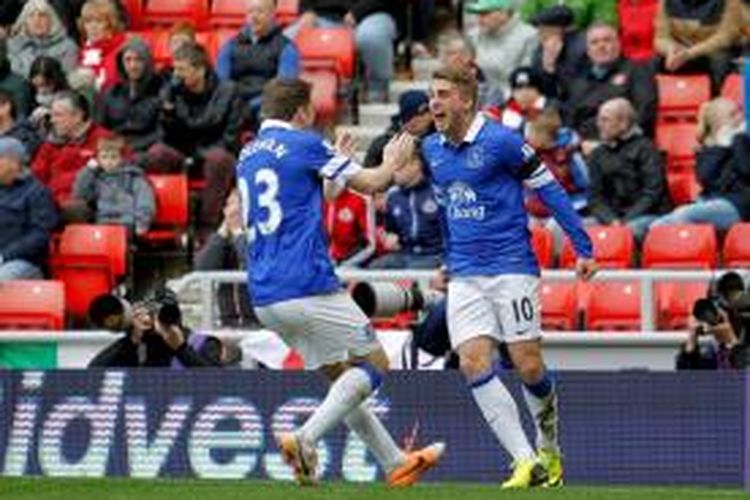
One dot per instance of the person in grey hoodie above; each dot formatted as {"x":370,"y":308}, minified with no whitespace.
{"x":39,"y":32}
{"x":117,"y":191}
{"x":131,"y":106}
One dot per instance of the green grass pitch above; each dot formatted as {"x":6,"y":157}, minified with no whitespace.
{"x":130,"y":489}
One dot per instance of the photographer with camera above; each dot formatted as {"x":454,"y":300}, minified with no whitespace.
{"x":154,"y":335}
{"x":721,"y":319}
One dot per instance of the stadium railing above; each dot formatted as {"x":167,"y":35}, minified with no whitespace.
{"x":208,"y":280}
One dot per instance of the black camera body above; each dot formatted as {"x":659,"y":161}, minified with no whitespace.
{"x":109,"y":312}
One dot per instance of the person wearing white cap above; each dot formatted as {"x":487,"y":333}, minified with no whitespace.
{"x":27,"y":215}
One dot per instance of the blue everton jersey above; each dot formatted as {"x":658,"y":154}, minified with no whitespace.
{"x":479,"y":185}
{"x":280,"y":179}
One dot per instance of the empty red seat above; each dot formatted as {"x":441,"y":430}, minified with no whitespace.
{"x":637,"y":28}
{"x":683,"y":187}
{"x":680,"y":246}
{"x":287,"y":11}
{"x":614,"y":306}
{"x":38,"y":305}
{"x":732,"y":88}
{"x":169,"y":12}
{"x":90,"y":261}
{"x":543,"y":245}
{"x":737,"y":246}
{"x":679,"y":141}
{"x":680,"y":96}
{"x":329,"y":48}
{"x":674,"y":303}
{"x":228,"y":13}
{"x":613,"y":247}
{"x":324,"y":94}
{"x":172,"y":208}
{"x":559,"y":308}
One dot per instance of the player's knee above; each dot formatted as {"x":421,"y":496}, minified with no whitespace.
{"x":474,"y":364}
{"x":530,"y":369}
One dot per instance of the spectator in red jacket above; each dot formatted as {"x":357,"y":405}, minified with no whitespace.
{"x":350,"y":223}
{"x":68,"y":147}
{"x":103,"y":35}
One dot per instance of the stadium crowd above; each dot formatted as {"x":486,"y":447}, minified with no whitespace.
{"x":94,"y":107}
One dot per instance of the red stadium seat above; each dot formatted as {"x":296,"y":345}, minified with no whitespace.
{"x":90,"y":261}
{"x":614,"y":306}
{"x":680,"y":96}
{"x":613,"y":247}
{"x":559,"y":307}
{"x":134,"y":9}
{"x":680,"y":246}
{"x":172,"y":208}
{"x":228,"y":13}
{"x":683,"y":187}
{"x":543,"y":244}
{"x":732,"y":88}
{"x":38,"y":305}
{"x":287,"y":11}
{"x":324,"y":94}
{"x":737,"y":246}
{"x":679,"y":141}
{"x":637,"y":28}
{"x":674,"y":303}
{"x":328,"y":48}
{"x":169,"y":12}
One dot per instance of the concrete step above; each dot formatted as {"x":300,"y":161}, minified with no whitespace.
{"x":363,"y":133}
{"x":422,"y":68}
{"x":377,"y":115}
{"x":398,"y":87}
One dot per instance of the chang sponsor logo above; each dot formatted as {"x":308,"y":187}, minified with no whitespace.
{"x":463,"y":203}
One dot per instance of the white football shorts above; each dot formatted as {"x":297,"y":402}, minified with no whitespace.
{"x":504,"y":307}
{"x":323,"y":329}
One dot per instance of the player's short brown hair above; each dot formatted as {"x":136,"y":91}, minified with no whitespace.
{"x":465,"y":82}
{"x":282,"y":98}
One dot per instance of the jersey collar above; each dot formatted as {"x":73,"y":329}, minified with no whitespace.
{"x":273,"y":123}
{"x":473,"y":132}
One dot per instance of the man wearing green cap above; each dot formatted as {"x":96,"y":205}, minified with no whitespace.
{"x":503,"y":41}
{"x":585,"y":12}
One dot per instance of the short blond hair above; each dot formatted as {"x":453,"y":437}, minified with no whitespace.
{"x":463,"y":80}
{"x":103,"y":9}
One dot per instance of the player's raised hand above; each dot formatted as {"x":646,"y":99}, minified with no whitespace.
{"x":346,"y":144}
{"x":586,"y":269}
{"x":399,"y":149}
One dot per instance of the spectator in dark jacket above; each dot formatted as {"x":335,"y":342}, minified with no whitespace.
{"x":258,"y":53}
{"x":374,"y":31}
{"x":412,"y":216}
{"x":200,"y":118}
{"x":117,"y":190}
{"x":561,"y":54}
{"x":607,"y":75}
{"x":131,"y":106}
{"x":27,"y":215}
{"x":14,"y":84}
{"x":413,"y":116}
{"x":225,"y":250}
{"x":47,"y":78}
{"x":626,"y":172}
{"x":723,"y":170}
{"x":11,"y":126}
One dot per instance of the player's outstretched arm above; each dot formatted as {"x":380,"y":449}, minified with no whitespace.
{"x":395,"y":154}
{"x":557,"y":201}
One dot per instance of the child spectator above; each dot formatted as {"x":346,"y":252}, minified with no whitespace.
{"x":117,"y":190}
{"x":103,"y":36}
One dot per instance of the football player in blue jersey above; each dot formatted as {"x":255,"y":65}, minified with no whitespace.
{"x":479,"y":169}
{"x":282,"y":176}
